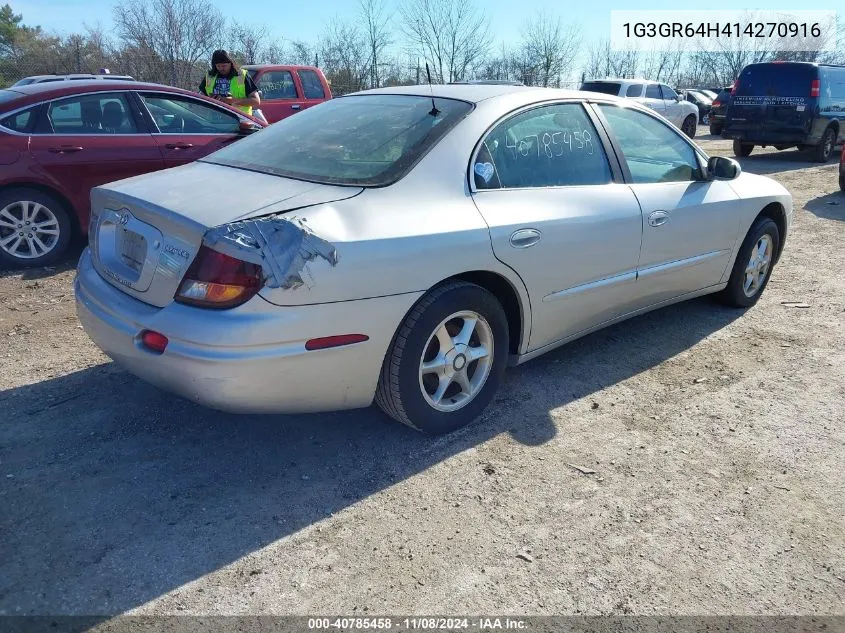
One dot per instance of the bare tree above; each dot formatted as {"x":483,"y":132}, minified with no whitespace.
{"x":603,"y":61}
{"x":301,"y":53}
{"x":181,"y":33}
{"x":249,"y":42}
{"x":552,"y":47}
{"x":451,"y":34}
{"x":346,"y":57}
{"x":662,"y":65}
{"x":377,"y":32}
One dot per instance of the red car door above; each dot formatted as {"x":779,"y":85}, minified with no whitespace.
{"x":312,"y":87}
{"x":91,"y":139}
{"x":280,"y":94}
{"x":187,"y":128}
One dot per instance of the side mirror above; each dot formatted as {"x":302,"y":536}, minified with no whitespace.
{"x":247,"y":127}
{"x":722,"y":168}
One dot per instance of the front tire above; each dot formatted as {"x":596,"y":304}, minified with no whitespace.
{"x":446,"y":360}
{"x":753,"y":266}
{"x":742,"y":149}
{"x":689,"y":126}
{"x":35,"y":229}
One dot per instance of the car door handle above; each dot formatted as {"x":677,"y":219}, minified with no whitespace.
{"x":65,"y":149}
{"x":523,"y":238}
{"x":295,"y":106}
{"x":658,"y":218}
{"x":179,"y":145}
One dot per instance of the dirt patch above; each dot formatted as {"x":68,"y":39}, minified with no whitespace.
{"x":689,"y":461}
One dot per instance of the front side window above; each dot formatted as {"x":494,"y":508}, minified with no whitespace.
{"x":96,"y":113}
{"x":654,"y":151}
{"x":368,"y":140}
{"x":277,"y":84}
{"x":175,"y":114}
{"x":550,"y":146}
{"x":668,"y":93}
{"x":652,"y":91}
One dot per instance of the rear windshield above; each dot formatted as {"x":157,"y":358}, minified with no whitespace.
{"x":776,"y":80}
{"x":366,"y":140}
{"x":606,"y":87}
{"x":9,"y":95}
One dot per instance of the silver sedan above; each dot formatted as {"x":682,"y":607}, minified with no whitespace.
{"x":406,"y":245}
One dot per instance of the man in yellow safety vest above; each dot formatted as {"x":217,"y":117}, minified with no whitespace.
{"x":230,"y":84}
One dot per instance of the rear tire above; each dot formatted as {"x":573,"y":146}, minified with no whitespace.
{"x":842,"y":180}
{"x":35,"y":229}
{"x":822,"y":152}
{"x":715,"y":130}
{"x":756,"y":255}
{"x":409,"y":385}
{"x":689,"y":126}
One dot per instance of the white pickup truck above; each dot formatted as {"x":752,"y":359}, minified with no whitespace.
{"x":657,"y":96}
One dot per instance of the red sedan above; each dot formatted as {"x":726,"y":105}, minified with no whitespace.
{"x":59,"y":141}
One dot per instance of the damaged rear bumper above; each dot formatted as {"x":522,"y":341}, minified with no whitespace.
{"x":251,"y":359}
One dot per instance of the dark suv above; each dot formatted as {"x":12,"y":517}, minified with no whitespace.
{"x":718,"y":109}
{"x":787,"y":104}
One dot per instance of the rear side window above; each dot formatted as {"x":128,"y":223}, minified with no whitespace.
{"x":634,"y":90}
{"x":776,"y":80}
{"x":605,"y":87}
{"x":311,"y":85}
{"x":99,"y":113}
{"x":277,"y":84}
{"x":551,"y":146}
{"x":834,"y":78}
{"x":652,"y":91}
{"x":22,"y":121}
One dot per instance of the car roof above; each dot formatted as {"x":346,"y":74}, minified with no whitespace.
{"x":628,"y":80}
{"x":475,"y":93}
{"x":286,"y":66}
{"x":32,"y":93}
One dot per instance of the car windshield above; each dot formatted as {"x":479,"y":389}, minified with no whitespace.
{"x":365,"y":140}
{"x":605,"y":87}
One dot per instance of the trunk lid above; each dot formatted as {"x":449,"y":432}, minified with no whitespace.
{"x":145,"y":231}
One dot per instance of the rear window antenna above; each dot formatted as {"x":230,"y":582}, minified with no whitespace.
{"x":434,"y":111}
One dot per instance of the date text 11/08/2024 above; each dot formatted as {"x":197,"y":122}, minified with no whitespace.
{"x":417,"y":624}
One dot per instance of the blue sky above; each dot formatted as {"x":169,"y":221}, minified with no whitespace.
{"x":305,"y":20}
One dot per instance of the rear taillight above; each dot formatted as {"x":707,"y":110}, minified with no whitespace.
{"x":815,"y":88}
{"x":716,"y":103}
{"x":735,"y":86}
{"x":216,"y":280}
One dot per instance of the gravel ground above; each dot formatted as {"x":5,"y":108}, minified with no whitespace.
{"x":716,"y":439}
